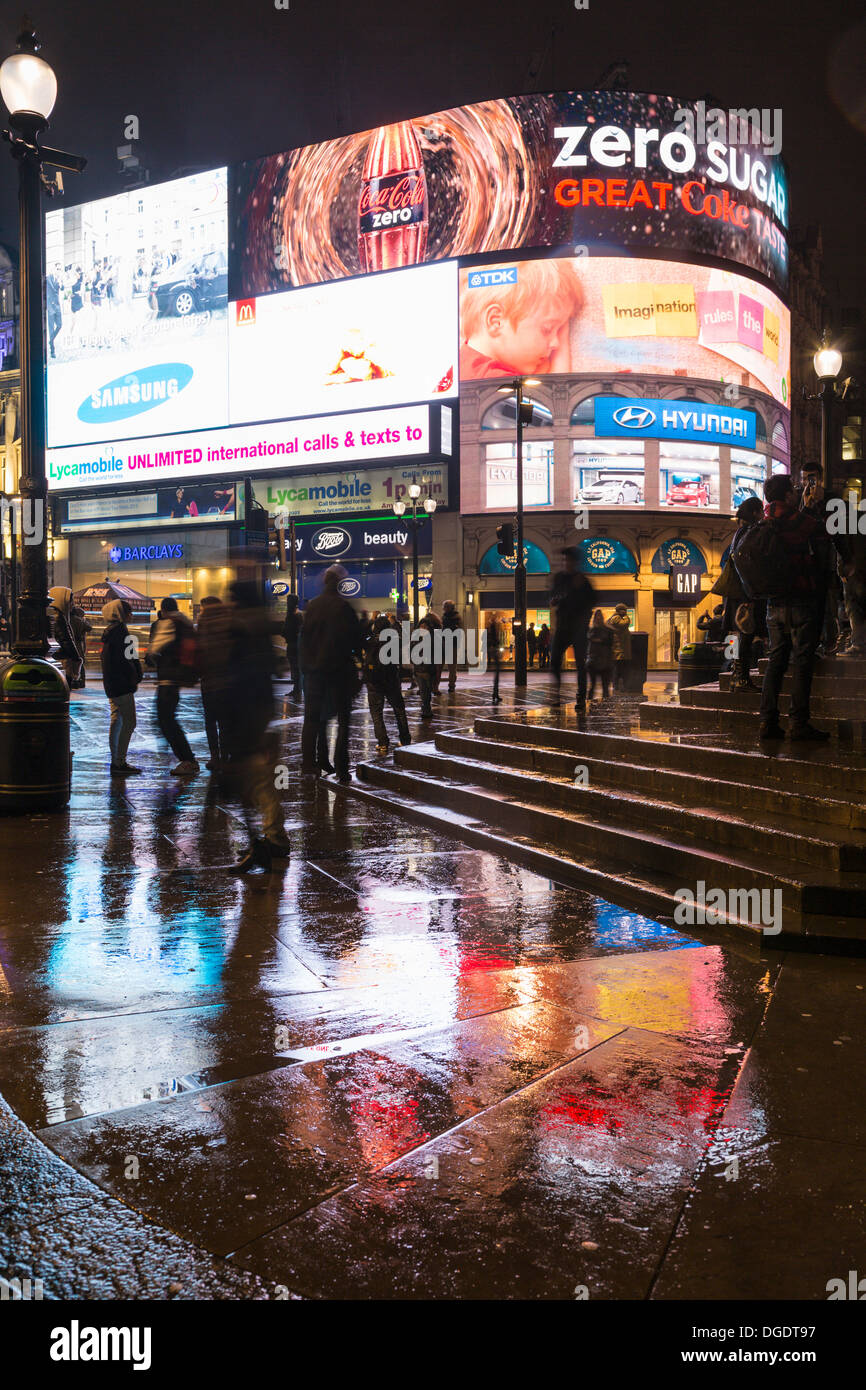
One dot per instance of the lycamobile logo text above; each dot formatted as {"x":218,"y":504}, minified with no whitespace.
{"x":134,"y":393}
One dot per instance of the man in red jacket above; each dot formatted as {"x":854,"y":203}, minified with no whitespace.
{"x":794,"y":622}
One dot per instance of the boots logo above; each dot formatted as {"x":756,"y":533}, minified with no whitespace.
{"x":634,"y":417}
{"x":331,"y":540}
{"x":349,"y":587}
{"x":134,"y":393}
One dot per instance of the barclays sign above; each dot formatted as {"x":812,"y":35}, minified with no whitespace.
{"x":687,"y":420}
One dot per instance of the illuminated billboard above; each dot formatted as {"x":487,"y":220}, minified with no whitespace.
{"x":601,"y":170}
{"x":136,"y":296}
{"x":353,"y":346}
{"x":615,"y":315}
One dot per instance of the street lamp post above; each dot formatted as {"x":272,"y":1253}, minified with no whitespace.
{"x":524,"y":415}
{"x":828,"y":364}
{"x":427,"y":508}
{"x":34,"y":749}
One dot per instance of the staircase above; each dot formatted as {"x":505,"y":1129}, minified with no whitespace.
{"x":639,"y":816}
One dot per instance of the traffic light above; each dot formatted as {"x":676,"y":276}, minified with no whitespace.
{"x":277,"y":541}
{"x":505,"y":538}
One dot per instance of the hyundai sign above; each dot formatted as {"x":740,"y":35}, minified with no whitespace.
{"x":687,"y":420}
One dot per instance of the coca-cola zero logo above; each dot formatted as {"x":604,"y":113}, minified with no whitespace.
{"x":331,"y":540}
{"x":395,"y":200}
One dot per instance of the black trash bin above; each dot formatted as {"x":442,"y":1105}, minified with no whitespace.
{"x":699,"y":663}
{"x":35,"y":758}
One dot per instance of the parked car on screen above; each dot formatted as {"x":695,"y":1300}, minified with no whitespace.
{"x":613,"y":489}
{"x":742,"y":494}
{"x":191,"y":286}
{"x":688,"y":492}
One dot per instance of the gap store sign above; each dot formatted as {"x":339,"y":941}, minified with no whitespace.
{"x":695,"y":421}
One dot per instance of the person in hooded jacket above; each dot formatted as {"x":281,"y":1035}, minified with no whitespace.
{"x":121,"y":677}
{"x":618,"y":622}
{"x":171,"y":629}
{"x":382,"y":679}
{"x":246,"y":738}
{"x":599,"y":659}
{"x":71,"y":652}
{"x":330,"y":642}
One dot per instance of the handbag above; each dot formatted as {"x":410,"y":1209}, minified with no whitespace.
{"x":727,"y":580}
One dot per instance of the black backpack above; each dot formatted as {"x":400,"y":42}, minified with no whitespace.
{"x":766,"y":567}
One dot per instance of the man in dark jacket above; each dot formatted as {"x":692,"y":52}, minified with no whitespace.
{"x":382,"y":679}
{"x":793,"y":621}
{"x":330,"y":641}
{"x":450,"y":623}
{"x":292,"y":634}
{"x":121,"y":676}
{"x":214,"y":655}
{"x":171,"y":630}
{"x":572,"y":597}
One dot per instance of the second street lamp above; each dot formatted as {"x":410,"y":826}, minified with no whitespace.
{"x":428,"y":507}
{"x":524,"y":417}
{"x":828,"y":364}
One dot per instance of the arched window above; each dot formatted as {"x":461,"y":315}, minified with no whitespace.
{"x":760,"y":428}
{"x":502,"y":415}
{"x":584,"y":411}
{"x":780,"y":436}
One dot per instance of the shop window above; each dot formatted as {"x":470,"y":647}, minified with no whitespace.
{"x":501,"y":475}
{"x":688,"y":475}
{"x":502,"y":415}
{"x":584,"y":411}
{"x":748,"y":472}
{"x":780,"y":436}
{"x":608,"y":473}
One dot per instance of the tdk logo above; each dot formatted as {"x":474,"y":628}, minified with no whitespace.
{"x":135,"y":393}
{"x":479,"y":279}
{"x":634,"y":417}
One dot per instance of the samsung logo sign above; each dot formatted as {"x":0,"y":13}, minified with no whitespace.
{"x":480,"y":279}
{"x":690,"y":420}
{"x":134,"y":393}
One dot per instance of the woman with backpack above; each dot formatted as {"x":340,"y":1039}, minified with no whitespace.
{"x":172,"y":651}
{"x":599,"y":655}
{"x":751,"y":613}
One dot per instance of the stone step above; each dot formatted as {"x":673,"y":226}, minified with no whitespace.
{"x":681,"y":788}
{"x":632,"y":868}
{"x":790,"y":843}
{"x":727,"y":721}
{"x":822,"y":706}
{"x":797,"y":768}
{"x":845,"y":666}
{"x":848,"y":687}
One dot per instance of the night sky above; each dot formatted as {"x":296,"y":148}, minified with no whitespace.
{"x":214,"y":82}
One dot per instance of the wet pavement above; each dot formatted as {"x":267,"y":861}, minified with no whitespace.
{"x":397,"y":1066}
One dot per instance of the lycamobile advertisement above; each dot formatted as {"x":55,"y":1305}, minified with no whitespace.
{"x":617,"y":316}
{"x":356,"y":345}
{"x":602,"y":170}
{"x":357,"y":490}
{"x":136,"y":296}
{"x":249,"y":448}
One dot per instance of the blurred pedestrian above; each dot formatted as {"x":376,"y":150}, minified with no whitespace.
{"x":599,"y":657}
{"x":246,"y":736}
{"x":571,"y":596}
{"x":493,"y":632}
{"x":741,"y":612}
{"x":620,"y":626}
{"x":382,"y":679}
{"x":450,"y":624}
{"x":172,"y":651}
{"x":531,"y":643}
{"x":214,"y":651}
{"x":292,"y":634}
{"x":121,"y":677}
{"x":80,"y":625}
{"x":423,"y":652}
{"x":330,"y":642}
{"x":543,"y":647}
